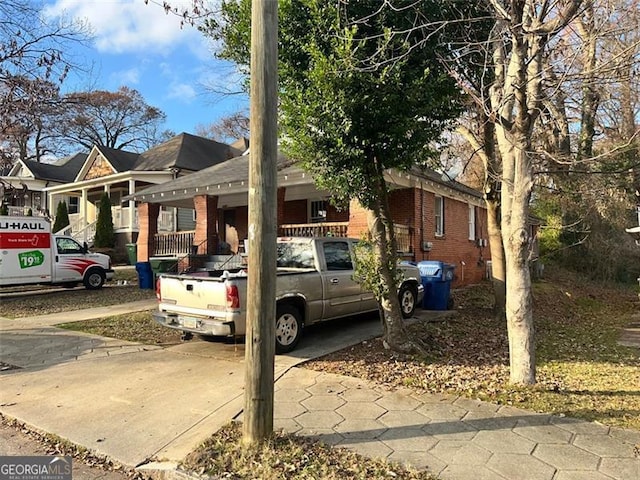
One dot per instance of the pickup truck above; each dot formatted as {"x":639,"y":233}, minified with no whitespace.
{"x":314,"y":283}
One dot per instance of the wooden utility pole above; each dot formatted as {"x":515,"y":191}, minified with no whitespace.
{"x":261,"y":309}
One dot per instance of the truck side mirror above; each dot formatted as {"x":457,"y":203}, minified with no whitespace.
{"x":85,"y":247}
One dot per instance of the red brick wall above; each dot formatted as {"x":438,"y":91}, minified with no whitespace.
{"x":454,"y":246}
{"x":413,"y":208}
{"x":148,"y":224}
{"x":206,"y":235}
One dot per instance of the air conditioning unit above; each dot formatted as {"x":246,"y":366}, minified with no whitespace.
{"x":427,"y":246}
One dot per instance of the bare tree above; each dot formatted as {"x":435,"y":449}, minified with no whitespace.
{"x":32,"y":64}
{"x":227,"y":128}
{"x":120,"y":120}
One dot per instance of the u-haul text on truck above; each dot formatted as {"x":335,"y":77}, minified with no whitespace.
{"x":30,"y":253}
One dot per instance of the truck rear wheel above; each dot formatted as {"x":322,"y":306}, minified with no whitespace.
{"x":407,"y":297}
{"x":94,"y":279}
{"x":288,"y":328}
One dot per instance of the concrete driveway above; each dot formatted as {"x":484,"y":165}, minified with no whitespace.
{"x":132,"y":402}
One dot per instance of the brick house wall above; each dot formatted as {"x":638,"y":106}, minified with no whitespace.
{"x":416,"y":208}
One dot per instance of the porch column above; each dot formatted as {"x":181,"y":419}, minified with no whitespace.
{"x":132,"y":206}
{"x":84,"y":215}
{"x":281,"y":195}
{"x":84,"y":207}
{"x":206,"y":236}
{"x":148,"y":225}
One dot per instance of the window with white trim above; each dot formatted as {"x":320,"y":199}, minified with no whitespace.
{"x":439,"y":216}
{"x":472,"y":222}
{"x":318,"y":213}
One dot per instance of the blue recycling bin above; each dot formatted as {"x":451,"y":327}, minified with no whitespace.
{"x":436,"y":278}
{"x":145,"y":275}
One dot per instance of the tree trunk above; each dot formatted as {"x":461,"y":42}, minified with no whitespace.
{"x":492,"y":201}
{"x":516,"y":192}
{"x":383,"y":238}
{"x":498,"y":273}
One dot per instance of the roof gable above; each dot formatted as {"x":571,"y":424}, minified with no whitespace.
{"x":62,"y":171}
{"x":104,"y":161}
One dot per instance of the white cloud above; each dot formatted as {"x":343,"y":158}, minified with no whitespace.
{"x":130,"y":76}
{"x":130,"y":26}
{"x":181,"y":91}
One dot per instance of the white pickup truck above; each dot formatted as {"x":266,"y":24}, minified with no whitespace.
{"x":314,"y":283}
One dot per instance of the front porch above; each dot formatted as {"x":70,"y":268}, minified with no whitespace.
{"x":182,"y":244}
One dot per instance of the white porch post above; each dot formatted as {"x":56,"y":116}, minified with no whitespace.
{"x":132,"y":205}
{"x":51,"y":206}
{"x":84,"y":212}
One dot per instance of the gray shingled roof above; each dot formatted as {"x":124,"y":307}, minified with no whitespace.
{"x":233,"y":170}
{"x":64,"y":171}
{"x":236,"y":170}
{"x":185,"y":152}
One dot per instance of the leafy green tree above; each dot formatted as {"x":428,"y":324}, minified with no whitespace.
{"x":62,"y":216}
{"x":105,"y":235}
{"x":4,"y":210}
{"x":355,"y":102}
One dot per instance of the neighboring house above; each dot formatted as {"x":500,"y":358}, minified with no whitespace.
{"x":435,"y":218}
{"x":22,"y":188}
{"x":121,"y":173}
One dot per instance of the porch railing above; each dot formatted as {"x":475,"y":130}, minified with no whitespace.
{"x":175,"y":243}
{"x":332,"y":229}
{"x":21,"y":211}
{"x":339,"y":229}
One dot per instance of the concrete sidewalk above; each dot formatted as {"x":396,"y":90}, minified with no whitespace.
{"x":137,"y":404}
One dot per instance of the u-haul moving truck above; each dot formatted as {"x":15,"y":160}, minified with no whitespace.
{"x":30,"y":254}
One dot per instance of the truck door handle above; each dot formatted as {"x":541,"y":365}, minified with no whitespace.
{"x":334,"y":281}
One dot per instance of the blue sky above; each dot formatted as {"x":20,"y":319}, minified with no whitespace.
{"x":138,"y":45}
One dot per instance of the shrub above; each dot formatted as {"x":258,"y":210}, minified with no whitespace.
{"x":105,"y":235}
{"x":62,"y":217}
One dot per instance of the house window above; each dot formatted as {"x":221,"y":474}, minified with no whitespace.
{"x":439,"y":216}
{"x":74,"y":205}
{"x":472,"y":222}
{"x":318,"y":211}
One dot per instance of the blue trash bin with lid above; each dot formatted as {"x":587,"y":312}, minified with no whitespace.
{"x":436,"y":278}
{"x":145,"y":275}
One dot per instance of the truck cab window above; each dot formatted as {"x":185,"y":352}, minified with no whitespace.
{"x":295,"y":255}
{"x":337,"y":256}
{"x":66,"y":245}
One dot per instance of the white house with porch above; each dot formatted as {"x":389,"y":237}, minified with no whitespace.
{"x":121,"y":174}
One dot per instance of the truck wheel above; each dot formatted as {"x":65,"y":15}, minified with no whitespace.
{"x":288,"y":328}
{"x":94,"y":279}
{"x":407,"y":297}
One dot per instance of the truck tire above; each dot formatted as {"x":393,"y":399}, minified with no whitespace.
{"x":94,"y":279}
{"x":288,"y":328}
{"x":407,"y":297}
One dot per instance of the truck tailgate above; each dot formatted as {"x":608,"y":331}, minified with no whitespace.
{"x":195,"y":295}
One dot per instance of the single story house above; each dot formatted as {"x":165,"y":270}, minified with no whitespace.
{"x":435,"y":217}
